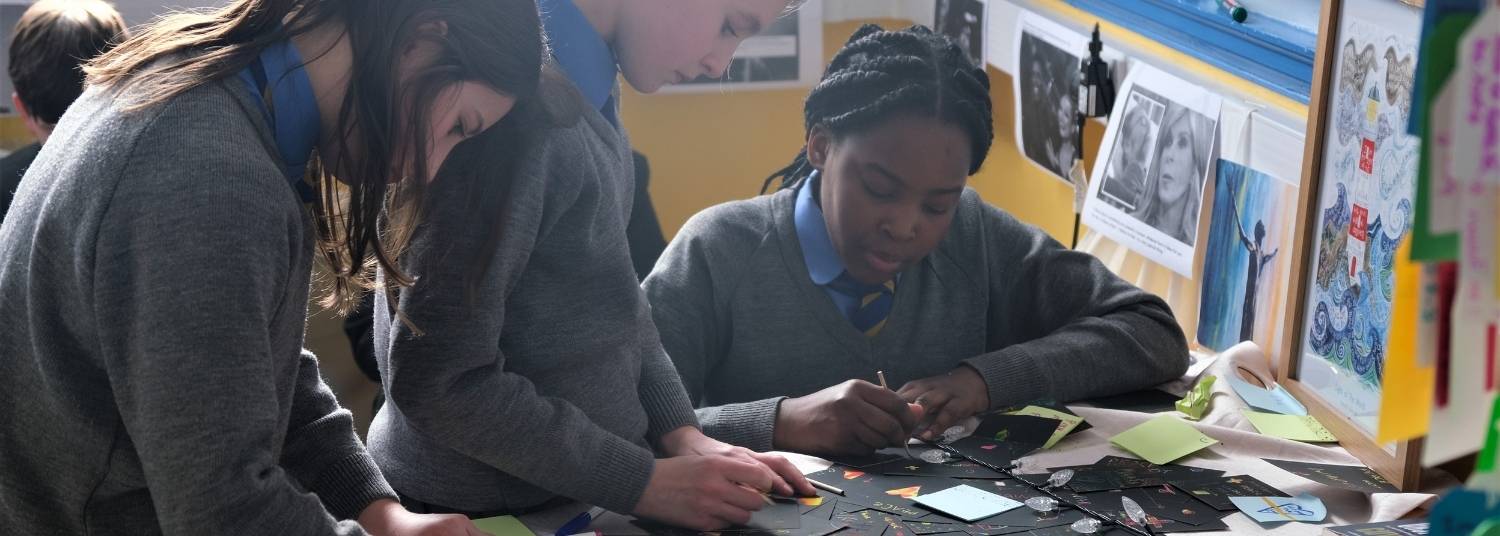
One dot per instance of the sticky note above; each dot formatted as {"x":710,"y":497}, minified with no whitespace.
{"x":1162,"y":439}
{"x":1293,"y":427}
{"x":1067,"y":422}
{"x":1275,"y":400}
{"x":503,"y":526}
{"x":1303,"y":507}
{"x":967,"y":503}
{"x":1195,"y":404}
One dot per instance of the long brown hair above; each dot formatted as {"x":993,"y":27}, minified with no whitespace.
{"x":382,"y":127}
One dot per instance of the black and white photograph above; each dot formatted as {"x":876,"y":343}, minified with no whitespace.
{"x":787,"y":54}
{"x":1159,"y":150}
{"x":963,"y":21}
{"x":1125,"y":178}
{"x":1046,"y":95}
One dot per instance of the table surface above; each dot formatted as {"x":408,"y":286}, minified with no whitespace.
{"x":1240,"y":451}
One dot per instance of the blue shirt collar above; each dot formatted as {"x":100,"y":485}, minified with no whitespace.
{"x":581,"y":51}
{"x":292,"y":112}
{"x":823,"y":262}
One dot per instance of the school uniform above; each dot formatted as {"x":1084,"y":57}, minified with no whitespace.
{"x":748,"y":301}
{"x":549,"y":379}
{"x":154,"y":276}
{"x":12,"y":167}
{"x":592,"y":67}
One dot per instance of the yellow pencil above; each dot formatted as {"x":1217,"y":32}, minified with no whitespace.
{"x":763,"y":495}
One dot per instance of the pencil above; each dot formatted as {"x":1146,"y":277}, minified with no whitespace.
{"x":763,"y":495}
{"x":880,"y":374}
{"x":825,"y":487}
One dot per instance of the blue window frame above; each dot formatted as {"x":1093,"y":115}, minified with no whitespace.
{"x":1265,"y":49}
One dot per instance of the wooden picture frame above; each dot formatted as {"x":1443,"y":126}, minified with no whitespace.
{"x":1403,"y":466}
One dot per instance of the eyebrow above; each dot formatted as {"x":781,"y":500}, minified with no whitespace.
{"x":936,"y":191}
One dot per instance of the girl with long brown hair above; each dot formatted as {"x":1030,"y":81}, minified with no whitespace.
{"x":154,"y":269}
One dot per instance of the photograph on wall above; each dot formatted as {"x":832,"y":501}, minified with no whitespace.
{"x":1364,"y":212}
{"x":963,"y":21}
{"x":1247,"y":265}
{"x":1125,"y":172}
{"x":787,"y":54}
{"x":1158,"y":154}
{"x":1046,"y":89}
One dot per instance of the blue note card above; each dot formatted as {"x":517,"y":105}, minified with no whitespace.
{"x":967,"y":503}
{"x":1274,"y":400}
{"x":1303,"y":507}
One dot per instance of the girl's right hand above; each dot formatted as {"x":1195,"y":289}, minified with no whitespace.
{"x":386,"y":517}
{"x":703,"y":492}
{"x":852,"y":418}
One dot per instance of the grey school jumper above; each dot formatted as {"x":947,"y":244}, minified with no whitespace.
{"x":746,"y":326}
{"x":153,"y":285}
{"x":552,"y":381}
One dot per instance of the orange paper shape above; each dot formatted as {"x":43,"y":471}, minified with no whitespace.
{"x":851,"y":474}
{"x":905,"y":493}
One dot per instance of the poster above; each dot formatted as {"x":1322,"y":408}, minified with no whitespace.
{"x":1157,"y":153}
{"x":1047,"y":81}
{"x":1364,"y":211}
{"x":787,"y":54}
{"x":1248,"y":262}
{"x":964,"y":22}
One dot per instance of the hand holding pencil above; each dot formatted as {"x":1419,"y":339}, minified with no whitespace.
{"x":853,"y":418}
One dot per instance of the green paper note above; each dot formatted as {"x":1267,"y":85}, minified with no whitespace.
{"x":1162,"y":439}
{"x":1440,"y":59}
{"x":1486,"y":462}
{"x":503,"y":526}
{"x":1293,"y":427}
{"x":1195,"y":404}
{"x":1067,"y":424}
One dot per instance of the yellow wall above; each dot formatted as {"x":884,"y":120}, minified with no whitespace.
{"x":708,"y":148}
{"x":13,"y":133}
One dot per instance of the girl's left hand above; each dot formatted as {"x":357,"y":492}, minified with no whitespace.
{"x":947,"y":399}
{"x":688,"y":440}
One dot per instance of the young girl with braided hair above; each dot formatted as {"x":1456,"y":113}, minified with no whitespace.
{"x":874,"y":255}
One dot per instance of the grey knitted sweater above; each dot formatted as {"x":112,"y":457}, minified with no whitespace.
{"x":154,"y":276}
{"x":746,"y":326}
{"x":551,"y":380}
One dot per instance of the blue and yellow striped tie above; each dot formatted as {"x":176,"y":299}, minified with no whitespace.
{"x":874,"y":302}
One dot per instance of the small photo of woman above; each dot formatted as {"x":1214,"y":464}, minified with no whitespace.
{"x":1125,"y":178}
{"x":1174,"y":183}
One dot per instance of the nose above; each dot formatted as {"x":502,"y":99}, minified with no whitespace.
{"x":900,"y":225}
{"x":716,"y":62}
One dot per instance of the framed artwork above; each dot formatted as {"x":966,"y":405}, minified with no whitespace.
{"x":1354,"y":212}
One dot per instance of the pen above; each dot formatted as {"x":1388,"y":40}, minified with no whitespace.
{"x":1236,"y":11}
{"x":580,"y":522}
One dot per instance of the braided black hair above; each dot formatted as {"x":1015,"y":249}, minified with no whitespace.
{"x":881,"y":73}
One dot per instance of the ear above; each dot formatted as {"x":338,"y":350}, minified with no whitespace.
{"x":819,"y":141}
{"x":38,"y":130}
